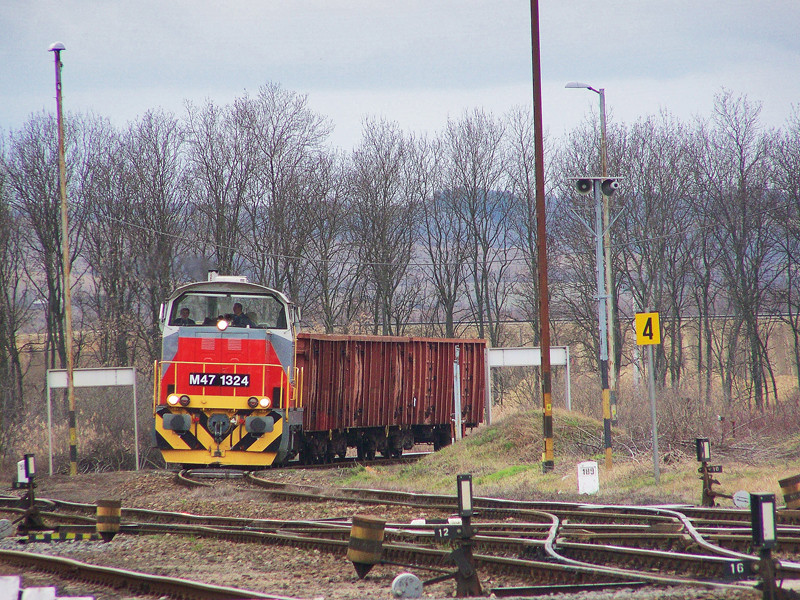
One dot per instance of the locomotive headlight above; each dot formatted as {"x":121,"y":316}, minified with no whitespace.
{"x":222,"y":324}
{"x":265,"y":402}
{"x":252,"y":402}
{"x":172,"y":400}
{"x":184,"y":400}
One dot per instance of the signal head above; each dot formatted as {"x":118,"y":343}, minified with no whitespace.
{"x":609,"y":186}
{"x":584,"y":186}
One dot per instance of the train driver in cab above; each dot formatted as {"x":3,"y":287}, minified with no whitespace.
{"x":239,"y":318}
{"x":184,"y":319}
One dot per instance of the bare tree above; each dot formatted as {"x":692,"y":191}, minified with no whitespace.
{"x":32,"y":178}
{"x":108,"y":249}
{"x":15,"y":303}
{"x":382,"y":223}
{"x":221,"y":163}
{"x":287,"y":138}
{"x":573,"y":272}
{"x":444,"y":236}
{"x":524,"y":219}
{"x":786,"y":177}
{"x":654,"y":231}
{"x":159,"y":212}
{"x":731,"y":171}
{"x":474,"y":174}
{"x":331,"y":256}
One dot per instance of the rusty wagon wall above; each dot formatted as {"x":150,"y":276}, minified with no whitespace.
{"x":378,"y":381}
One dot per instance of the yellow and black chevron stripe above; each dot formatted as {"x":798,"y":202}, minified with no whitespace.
{"x":240,"y":448}
{"x":60,"y":536}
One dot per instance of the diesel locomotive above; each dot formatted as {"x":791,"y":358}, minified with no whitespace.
{"x":238,"y":386}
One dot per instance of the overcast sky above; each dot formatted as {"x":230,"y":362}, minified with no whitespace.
{"x":413,"y":62}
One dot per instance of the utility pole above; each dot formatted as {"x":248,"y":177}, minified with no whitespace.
{"x":62,"y":182}
{"x":548,"y":463}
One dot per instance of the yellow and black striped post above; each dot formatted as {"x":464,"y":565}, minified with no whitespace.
{"x":108,"y":518}
{"x":366,"y":543}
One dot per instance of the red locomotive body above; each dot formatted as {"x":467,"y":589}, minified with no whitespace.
{"x":378,"y":393}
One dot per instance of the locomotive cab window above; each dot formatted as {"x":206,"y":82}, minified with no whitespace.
{"x":251,"y":310}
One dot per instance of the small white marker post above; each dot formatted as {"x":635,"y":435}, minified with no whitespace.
{"x":588,"y":477}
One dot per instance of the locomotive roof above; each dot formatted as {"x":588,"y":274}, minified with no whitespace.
{"x":227,"y":287}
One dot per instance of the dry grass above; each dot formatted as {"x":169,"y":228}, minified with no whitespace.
{"x":505,"y":461}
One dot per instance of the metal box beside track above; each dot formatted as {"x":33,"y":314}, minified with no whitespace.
{"x":381,"y":381}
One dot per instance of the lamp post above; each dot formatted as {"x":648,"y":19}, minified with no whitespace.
{"x":62,"y":179}
{"x":612,"y":379}
{"x":600,"y":187}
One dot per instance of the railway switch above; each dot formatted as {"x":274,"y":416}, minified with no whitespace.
{"x":762,"y":517}
{"x":32,"y":518}
{"x":707,"y":473}
{"x":467,"y":583}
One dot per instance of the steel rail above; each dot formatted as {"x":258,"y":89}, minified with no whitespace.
{"x":156,"y":585}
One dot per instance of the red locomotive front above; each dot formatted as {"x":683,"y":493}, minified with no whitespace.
{"x":226,"y":385}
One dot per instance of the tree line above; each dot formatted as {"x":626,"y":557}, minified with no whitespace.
{"x":432,"y":234}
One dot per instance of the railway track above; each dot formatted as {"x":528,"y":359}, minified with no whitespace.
{"x":122,"y":579}
{"x":550,"y":543}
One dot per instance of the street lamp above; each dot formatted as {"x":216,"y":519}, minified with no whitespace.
{"x":607,"y":242}
{"x":600,"y":187}
{"x":603,"y":147}
{"x":56,"y":49}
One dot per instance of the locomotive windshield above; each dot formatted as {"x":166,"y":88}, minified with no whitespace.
{"x":206,"y":308}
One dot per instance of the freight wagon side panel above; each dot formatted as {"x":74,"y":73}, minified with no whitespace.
{"x":376,"y":381}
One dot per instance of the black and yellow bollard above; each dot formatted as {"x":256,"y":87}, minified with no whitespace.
{"x":366,"y":543}
{"x":108,"y":518}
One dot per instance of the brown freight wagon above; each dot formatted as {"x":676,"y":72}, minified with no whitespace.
{"x":385,"y":394}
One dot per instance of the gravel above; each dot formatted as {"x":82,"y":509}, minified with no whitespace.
{"x":308,"y":575}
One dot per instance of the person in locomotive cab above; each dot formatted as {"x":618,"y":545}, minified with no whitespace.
{"x":184,"y":319}
{"x":239,"y":318}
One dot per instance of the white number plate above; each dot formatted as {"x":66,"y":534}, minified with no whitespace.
{"x":221,"y":379}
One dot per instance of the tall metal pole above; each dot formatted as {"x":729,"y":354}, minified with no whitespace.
{"x":601,"y":314}
{"x":62,"y":181}
{"x":548,"y":462}
{"x":612,"y":380}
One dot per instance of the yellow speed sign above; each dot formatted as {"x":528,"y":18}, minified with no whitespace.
{"x":647,"y":329}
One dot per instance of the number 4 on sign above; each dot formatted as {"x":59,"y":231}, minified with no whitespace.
{"x":648,"y":330}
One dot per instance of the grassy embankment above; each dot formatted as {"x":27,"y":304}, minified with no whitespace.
{"x":505,"y":461}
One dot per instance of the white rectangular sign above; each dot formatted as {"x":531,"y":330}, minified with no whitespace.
{"x":101,"y":377}
{"x":525,"y":357}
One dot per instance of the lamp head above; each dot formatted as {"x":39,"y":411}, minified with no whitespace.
{"x":56,"y":47}
{"x":581,"y":85}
